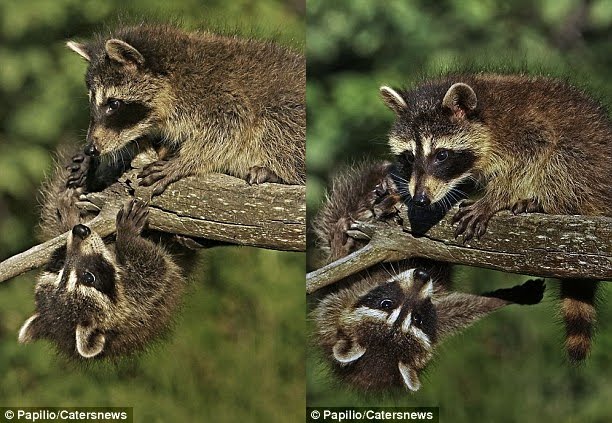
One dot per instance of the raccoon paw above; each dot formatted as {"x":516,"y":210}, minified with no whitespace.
{"x":529,"y":293}
{"x":159,"y":175}
{"x":132,"y":217}
{"x":85,"y":206}
{"x":259,"y":175}
{"x":78,"y":168}
{"x":340,"y":242}
{"x":472,"y":220}
{"x":527,"y":206}
{"x":386,"y":201}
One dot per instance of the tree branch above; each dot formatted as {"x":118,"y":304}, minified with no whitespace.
{"x":216,"y":207}
{"x":535,"y":244}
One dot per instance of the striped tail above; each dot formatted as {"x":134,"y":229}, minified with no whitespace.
{"x":579,"y":314}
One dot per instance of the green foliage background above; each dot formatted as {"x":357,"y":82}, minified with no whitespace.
{"x":237,"y":351}
{"x":511,"y":366}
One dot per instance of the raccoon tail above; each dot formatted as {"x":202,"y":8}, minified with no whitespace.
{"x":579,"y":314}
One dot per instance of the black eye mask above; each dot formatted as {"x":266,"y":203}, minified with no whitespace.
{"x":104,"y":274}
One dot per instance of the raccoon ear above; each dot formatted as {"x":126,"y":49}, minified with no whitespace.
{"x":393,"y":100}
{"x":89,"y":341}
{"x":122,"y":52}
{"x":30,"y":330}
{"x":346,"y":352}
{"x":80,"y":49}
{"x":410,"y":377}
{"x":461,"y":99}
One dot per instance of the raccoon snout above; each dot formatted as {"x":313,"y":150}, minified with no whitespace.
{"x":81,"y":231}
{"x":91,"y":150}
{"x":421,"y":200}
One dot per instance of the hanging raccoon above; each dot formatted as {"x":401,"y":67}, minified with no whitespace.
{"x":216,"y":103}
{"x":532,"y":144}
{"x":101,"y":298}
{"x":381,"y":327}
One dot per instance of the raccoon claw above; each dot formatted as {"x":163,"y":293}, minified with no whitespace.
{"x":526,"y":206}
{"x":385,"y":202}
{"x":152,"y":173}
{"x":133,"y":216}
{"x":158,"y":175}
{"x":357,"y":234}
{"x":259,"y":175}
{"x":78,"y":171}
{"x":466,"y":203}
{"x":86,"y":206}
{"x":382,"y":191}
{"x":341,"y":243}
{"x":188,"y":242}
{"x":79,"y":158}
{"x":160,"y":186}
{"x":471,"y":221}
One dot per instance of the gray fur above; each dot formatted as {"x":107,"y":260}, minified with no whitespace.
{"x":138,"y":284}
{"x":221,"y":104}
{"x":532,"y":144}
{"x":368,"y":346}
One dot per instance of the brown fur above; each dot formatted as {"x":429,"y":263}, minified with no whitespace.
{"x":353,"y":198}
{"x":539,"y":144}
{"x":224,"y":104}
{"x":147,"y":283}
{"x":363,"y":348}
{"x":534,"y":137}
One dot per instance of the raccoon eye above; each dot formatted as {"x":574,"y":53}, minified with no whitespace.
{"x":386,"y":304}
{"x":113,"y":104}
{"x":89,"y":278}
{"x":441,"y":156}
{"x":417,"y":319}
{"x":409,"y":156}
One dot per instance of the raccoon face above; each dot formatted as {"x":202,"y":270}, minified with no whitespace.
{"x":74,"y":304}
{"x":388,"y":334}
{"x":437,"y":140}
{"x":124,"y":95}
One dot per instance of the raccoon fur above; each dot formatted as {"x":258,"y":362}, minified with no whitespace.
{"x":381,"y":328}
{"x":100,"y":298}
{"x":532,"y":144}
{"x":218,"y":103}
{"x":363,"y":192}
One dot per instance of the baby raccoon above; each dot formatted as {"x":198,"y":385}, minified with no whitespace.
{"x":219,"y":104}
{"x":533,"y":145}
{"x":381,"y":328}
{"x":98,"y":298}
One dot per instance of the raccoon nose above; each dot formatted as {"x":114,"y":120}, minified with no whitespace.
{"x":91,"y":150}
{"x":81,"y":231}
{"x":421,"y":200}
{"x":421,"y":275}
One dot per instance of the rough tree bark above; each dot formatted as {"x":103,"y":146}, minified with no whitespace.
{"x":534,"y":244}
{"x":216,"y":207}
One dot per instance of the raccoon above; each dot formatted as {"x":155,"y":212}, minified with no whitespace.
{"x":100,"y":298}
{"x":382,"y":331}
{"x":381,"y":328}
{"x":218,"y":103}
{"x":532,"y":144}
